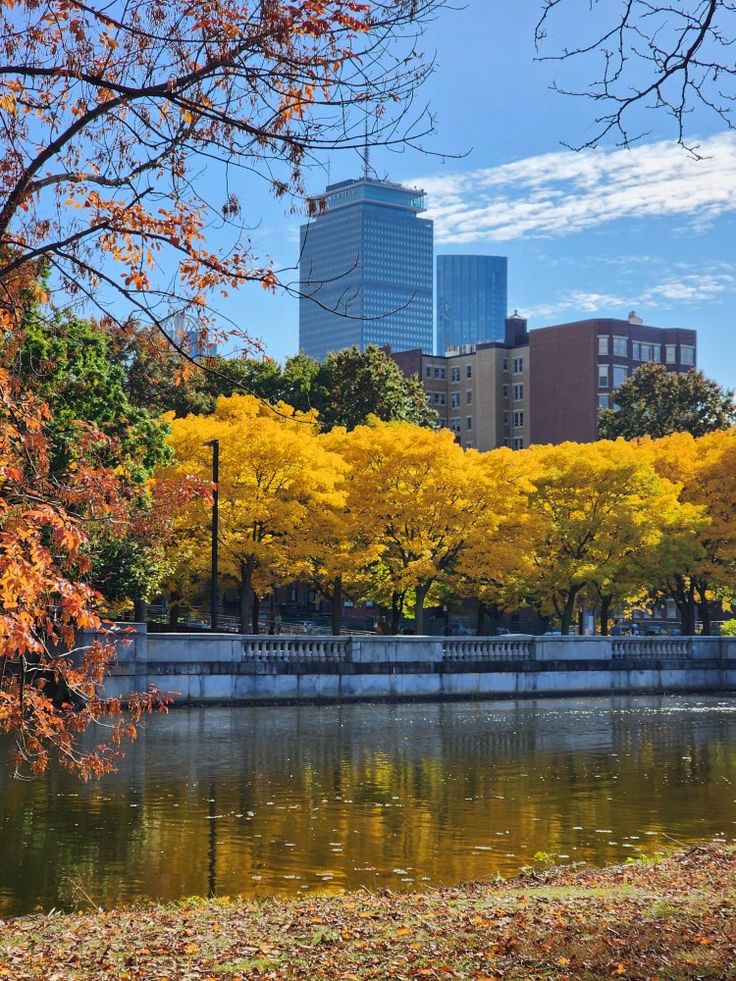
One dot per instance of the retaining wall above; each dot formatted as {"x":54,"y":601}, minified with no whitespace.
{"x":201,"y":668}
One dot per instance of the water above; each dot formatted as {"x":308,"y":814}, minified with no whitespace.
{"x":264,"y":801}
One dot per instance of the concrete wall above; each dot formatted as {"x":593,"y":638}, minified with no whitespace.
{"x":200,"y":668}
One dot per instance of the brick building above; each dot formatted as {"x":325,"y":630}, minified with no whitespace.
{"x":575,"y":367}
{"x":479,"y":391}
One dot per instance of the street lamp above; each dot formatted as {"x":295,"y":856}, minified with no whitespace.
{"x":215,"y":444}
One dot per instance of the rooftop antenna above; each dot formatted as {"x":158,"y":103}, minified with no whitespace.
{"x":366,"y":153}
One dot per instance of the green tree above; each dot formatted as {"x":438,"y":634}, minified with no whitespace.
{"x":70,"y":363}
{"x":656,"y":402}
{"x":67,"y":361}
{"x":352,"y":385}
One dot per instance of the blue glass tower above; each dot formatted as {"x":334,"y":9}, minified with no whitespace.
{"x":365,"y":270}
{"x":471,"y":299}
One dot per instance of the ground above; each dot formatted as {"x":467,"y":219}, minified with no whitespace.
{"x":672,"y":919}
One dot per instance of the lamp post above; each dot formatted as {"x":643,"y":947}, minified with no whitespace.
{"x":215,"y":444}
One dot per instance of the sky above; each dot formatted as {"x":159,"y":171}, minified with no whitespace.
{"x":589,"y":233}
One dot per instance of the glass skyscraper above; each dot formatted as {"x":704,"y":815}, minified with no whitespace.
{"x":365,"y":270}
{"x":471,"y":299}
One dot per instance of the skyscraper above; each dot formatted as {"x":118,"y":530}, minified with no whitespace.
{"x":471,"y":299}
{"x":365,"y":270}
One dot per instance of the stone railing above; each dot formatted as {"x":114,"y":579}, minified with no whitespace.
{"x":295,"y":648}
{"x":487,"y":649}
{"x":660,"y":647}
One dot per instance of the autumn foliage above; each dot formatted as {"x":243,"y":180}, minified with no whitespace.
{"x":403,"y":516}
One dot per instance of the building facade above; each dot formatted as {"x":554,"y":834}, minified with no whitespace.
{"x":479,"y":391}
{"x":472,"y":293}
{"x":366,"y":270}
{"x":576,"y":367}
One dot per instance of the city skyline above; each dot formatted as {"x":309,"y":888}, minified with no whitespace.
{"x":595,"y":233}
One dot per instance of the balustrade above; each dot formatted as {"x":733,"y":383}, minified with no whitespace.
{"x":295,"y":648}
{"x":661,"y":647}
{"x":487,"y":649}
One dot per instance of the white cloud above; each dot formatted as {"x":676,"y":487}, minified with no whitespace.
{"x":673,"y":291}
{"x":690,"y":288}
{"x":565,"y":192}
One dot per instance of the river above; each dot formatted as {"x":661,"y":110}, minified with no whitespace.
{"x":278,"y":801}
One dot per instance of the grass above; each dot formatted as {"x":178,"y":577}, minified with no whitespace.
{"x":675,"y":919}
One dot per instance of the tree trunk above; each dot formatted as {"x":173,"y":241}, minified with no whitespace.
{"x":396,"y":604}
{"x":704,"y":609}
{"x":244,"y":591}
{"x":605,"y":614}
{"x":140,"y":611}
{"x":481,"y":621}
{"x":174,"y":598}
{"x":336,"y":605}
{"x":421,"y":594}
{"x":255,"y":613}
{"x":684,"y":597}
{"x":568,"y":611}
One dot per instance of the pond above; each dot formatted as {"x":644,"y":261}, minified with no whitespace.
{"x":276,"y":801}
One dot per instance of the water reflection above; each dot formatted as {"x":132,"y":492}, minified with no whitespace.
{"x":281,"y":800}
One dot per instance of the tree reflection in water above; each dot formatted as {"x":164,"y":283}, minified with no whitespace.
{"x":259,"y":801}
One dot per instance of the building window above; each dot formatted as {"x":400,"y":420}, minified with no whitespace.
{"x":469,"y":422}
{"x":603,"y":344}
{"x":518,"y":420}
{"x":518,"y":365}
{"x":687,"y":354}
{"x":455,"y":400}
{"x":518,"y":393}
{"x":439,"y":398}
{"x":636,"y":350}
{"x":505,"y":365}
{"x":602,"y":376}
{"x":517,"y":443}
{"x":469,"y":397}
{"x":620,"y":347}
{"x":455,"y":377}
{"x":619,"y":375}
{"x":603,"y":402}
{"x":505,"y":418}
{"x":468,"y":371}
{"x":443,"y":374}
{"x":670,"y":353}
{"x":455,"y":425}
{"x":505,"y":391}
{"x":656,"y":352}
{"x":428,"y":372}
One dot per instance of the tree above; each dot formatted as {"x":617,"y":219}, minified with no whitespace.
{"x":706,"y":470}
{"x":157,"y":379}
{"x":420,"y":498}
{"x":499,"y":555}
{"x":50,"y":690}
{"x":121,"y":122}
{"x":273,"y":472}
{"x":593,"y":505}
{"x":656,"y":402}
{"x":352,"y":385}
{"x":645,"y":55}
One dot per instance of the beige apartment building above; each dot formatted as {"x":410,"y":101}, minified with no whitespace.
{"x":479,"y":391}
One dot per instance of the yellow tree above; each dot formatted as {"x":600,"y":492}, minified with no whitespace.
{"x":595,"y":506}
{"x":420,"y":499}
{"x":706,"y":469}
{"x":273,"y":472}
{"x":497,"y":556}
{"x":333,"y":542}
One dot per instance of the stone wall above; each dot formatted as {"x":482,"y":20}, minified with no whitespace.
{"x":201,"y":668}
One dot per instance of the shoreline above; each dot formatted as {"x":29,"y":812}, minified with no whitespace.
{"x":674,"y":917}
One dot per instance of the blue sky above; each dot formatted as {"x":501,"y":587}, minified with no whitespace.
{"x":592,"y":233}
